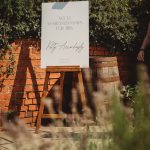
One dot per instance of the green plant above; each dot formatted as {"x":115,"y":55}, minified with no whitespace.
{"x":120,"y":25}
{"x":133,"y":135}
{"x":121,"y":131}
{"x":125,"y":135}
{"x":140,"y":9}
{"x":18,"y":19}
{"x":128,"y":92}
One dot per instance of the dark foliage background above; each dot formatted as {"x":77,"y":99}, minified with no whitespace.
{"x":118,"y":25}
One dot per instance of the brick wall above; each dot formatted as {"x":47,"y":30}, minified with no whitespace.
{"x":22,"y":90}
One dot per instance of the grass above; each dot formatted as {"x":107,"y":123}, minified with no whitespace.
{"x":107,"y":126}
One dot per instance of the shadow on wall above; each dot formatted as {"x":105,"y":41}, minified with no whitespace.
{"x":17,"y":97}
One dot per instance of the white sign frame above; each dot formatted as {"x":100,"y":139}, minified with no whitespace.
{"x":65,"y":34}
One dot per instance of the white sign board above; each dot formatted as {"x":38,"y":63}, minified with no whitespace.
{"x":65,"y":34}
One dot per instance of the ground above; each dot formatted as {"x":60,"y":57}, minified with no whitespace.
{"x":54,"y":136}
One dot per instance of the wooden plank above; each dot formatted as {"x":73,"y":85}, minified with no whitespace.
{"x":45,"y":90}
{"x":54,"y":116}
{"x":102,"y":65}
{"x":63,"y":69}
{"x":61,"y":90}
{"x":82,"y":91}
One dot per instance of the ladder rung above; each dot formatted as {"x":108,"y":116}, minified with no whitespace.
{"x":56,"y":116}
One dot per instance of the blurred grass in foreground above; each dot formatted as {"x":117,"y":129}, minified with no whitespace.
{"x":107,"y":125}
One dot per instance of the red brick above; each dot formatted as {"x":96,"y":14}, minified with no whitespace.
{"x":55,"y":75}
{"x":5,"y":96}
{"x":101,"y":49}
{"x":28,"y":63}
{"x":26,"y":88}
{"x":3,"y":109}
{"x":35,"y":101}
{"x":18,"y":102}
{"x":40,"y":87}
{"x":35,"y":113}
{"x":11,"y":77}
{"x":40,"y":75}
{"x":4,"y":103}
{"x":28,"y":102}
{"x":6,"y":89}
{"x":17,"y":50}
{"x":35,"y":51}
{"x":27,"y":120}
{"x":29,"y":81}
{"x":29,"y":114}
{"x":4,"y":63}
{"x":21,"y":95}
{"x":33,"y":107}
{"x":53,"y":81}
{"x":102,"y":53}
{"x":35,"y":56}
{"x":36,"y":63}
{"x":40,"y":81}
{"x":24,"y":108}
{"x":39,"y":70}
{"x":22,"y":114}
{"x":33,"y":95}
{"x":3,"y":69}
{"x":8,"y":82}
{"x":21,"y":69}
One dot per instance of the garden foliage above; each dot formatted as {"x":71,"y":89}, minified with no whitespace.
{"x":134,"y":134}
{"x":119,"y":25}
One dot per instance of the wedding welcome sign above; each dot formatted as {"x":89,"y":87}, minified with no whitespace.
{"x":65,"y":34}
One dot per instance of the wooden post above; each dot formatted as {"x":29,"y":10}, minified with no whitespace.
{"x":45,"y":91}
{"x":82,"y":92}
{"x":61,"y":90}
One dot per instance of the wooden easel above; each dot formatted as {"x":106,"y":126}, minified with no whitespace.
{"x":62,"y":70}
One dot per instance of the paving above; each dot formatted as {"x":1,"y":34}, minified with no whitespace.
{"x":48,"y":136}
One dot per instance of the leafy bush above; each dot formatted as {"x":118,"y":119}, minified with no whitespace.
{"x":134,"y":134}
{"x":112,"y":24}
{"x":128,"y":92}
{"x":19,"y":19}
{"x":117,"y":25}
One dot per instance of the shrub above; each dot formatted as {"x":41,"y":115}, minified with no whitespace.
{"x":128,"y":92}
{"x":119,"y":25}
{"x":134,"y":134}
{"x":113,"y":24}
{"x":19,"y":19}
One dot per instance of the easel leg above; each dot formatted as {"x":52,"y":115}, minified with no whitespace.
{"x":41,"y":109}
{"x":61,"y":90}
{"x":74,"y":80}
{"x":82,"y":91}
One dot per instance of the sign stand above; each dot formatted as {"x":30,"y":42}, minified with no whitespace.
{"x":62,"y":70}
